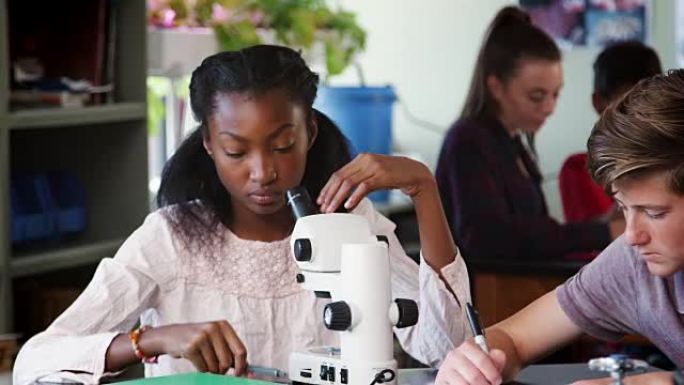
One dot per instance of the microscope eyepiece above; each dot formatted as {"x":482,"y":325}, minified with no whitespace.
{"x":300,"y":202}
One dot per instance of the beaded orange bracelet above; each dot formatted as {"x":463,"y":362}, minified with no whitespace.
{"x":134,"y":336}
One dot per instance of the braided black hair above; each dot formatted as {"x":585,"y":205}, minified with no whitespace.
{"x":189,"y":177}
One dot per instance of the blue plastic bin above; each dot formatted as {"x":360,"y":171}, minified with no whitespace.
{"x":69,"y":202}
{"x":46,"y":206}
{"x":364,"y":114}
{"x":28,"y":209}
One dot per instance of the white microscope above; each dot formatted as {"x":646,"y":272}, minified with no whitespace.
{"x":341,"y":259}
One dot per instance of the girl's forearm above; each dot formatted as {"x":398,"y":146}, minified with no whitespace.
{"x":120,"y":354}
{"x":437,"y":244}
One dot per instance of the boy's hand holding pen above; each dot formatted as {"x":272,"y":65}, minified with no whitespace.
{"x":472,"y":363}
{"x":474,"y":321}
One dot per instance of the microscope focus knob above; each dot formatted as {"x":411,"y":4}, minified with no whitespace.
{"x":337,"y":316}
{"x":382,"y":238}
{"x":408,"y":312}
{"x":302,"y":250}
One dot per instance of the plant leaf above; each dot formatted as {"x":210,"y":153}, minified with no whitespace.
{"x":235,"y":36}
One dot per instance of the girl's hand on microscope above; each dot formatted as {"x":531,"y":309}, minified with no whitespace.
{"x":369,"y":172}
{"x":210,"y":346}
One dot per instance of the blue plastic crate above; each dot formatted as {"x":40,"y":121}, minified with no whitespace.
{"x":46,"y":206}
{"x":68,"y":202}
{"x":29,"y":219}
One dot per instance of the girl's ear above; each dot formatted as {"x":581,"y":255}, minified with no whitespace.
{"x":495,"y":87}
{"x":207,"y":144}
{"x":312,"y":130}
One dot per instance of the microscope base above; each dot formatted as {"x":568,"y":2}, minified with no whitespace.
{"x":324,"y":366}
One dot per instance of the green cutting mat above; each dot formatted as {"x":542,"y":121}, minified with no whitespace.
{"x":196,"y":379}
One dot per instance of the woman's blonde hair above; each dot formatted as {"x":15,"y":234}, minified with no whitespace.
{"x":642,"y":133}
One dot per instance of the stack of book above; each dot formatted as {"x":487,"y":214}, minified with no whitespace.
{"x":63,"y":54}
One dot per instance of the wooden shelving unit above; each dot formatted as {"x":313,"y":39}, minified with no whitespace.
{"x":104,"y":145}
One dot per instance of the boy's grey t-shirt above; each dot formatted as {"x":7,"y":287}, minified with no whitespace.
{"x":615,"y":294}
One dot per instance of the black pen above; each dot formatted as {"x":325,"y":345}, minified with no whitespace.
{"x":475,"y":327}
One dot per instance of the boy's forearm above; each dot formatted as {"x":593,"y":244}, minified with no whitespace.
{"x":499,"y":339}
{"x":539,"y":329}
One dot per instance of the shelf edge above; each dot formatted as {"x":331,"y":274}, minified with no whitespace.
{"x":56,"y":117}
{"x":48,"y":261}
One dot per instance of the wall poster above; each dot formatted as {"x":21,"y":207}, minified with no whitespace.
{"x":591,"y":22}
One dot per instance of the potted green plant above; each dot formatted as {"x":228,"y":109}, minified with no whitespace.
{"x":363,"y":113}
{"x":296,"y":23}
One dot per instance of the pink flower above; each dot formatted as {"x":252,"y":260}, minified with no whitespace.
{"x":219,"y":14}
{"x":257,"y":18}
{"x":168,"y":17}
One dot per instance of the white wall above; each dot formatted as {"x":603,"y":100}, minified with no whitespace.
{"x":427,"y":49}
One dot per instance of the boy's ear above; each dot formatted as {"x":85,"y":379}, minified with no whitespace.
{"x":598,"y":102}
{"x":312,"y":130}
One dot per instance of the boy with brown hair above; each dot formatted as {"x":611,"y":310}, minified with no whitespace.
{"x":636,"y":285}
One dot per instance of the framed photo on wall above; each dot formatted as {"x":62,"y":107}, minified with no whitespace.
{"x":591,"y":22}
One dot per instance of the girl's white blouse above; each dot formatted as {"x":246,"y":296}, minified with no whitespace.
{"x":251,"y":285}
